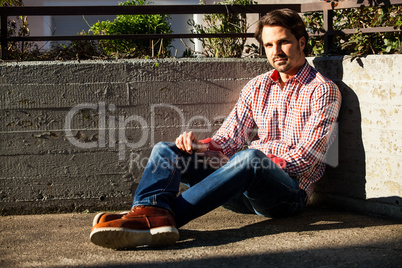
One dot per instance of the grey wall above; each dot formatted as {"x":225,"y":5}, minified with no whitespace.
{"x":76,"y":135}
{"x":368,"y":175}
{"x":44,"y":167}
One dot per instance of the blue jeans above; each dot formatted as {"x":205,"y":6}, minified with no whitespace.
{"x":249,"y":183}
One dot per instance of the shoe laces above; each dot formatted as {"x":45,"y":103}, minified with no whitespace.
{"x":133,"y":209}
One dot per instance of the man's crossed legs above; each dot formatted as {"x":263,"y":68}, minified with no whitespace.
{"x":248,"y":183}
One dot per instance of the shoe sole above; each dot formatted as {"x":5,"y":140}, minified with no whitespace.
{"x":121,"y":238}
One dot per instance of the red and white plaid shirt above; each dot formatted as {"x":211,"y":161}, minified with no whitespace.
{"x":294,"y":124}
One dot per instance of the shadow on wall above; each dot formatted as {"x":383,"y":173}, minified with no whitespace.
{"x":348,"y":177}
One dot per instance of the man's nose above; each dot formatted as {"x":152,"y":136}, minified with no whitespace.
{"x":277,"y":49}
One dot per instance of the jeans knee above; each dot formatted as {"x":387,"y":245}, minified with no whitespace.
{"x":253,"y":153}
{"x":161,"y":146}
{"x":251,"y":157}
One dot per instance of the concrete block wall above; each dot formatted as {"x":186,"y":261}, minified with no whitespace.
{"x":368,"y":176}
{"x":76,"y":135}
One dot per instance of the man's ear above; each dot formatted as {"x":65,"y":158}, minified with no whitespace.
{"x":302,"y":43}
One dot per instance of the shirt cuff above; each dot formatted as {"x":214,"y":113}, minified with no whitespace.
{"x":277,"y":160}
{"x":212,"y":145}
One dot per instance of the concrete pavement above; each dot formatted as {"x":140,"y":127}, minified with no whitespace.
{"x":319,"y":237}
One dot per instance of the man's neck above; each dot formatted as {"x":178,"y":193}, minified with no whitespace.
{"x":284,"y":77}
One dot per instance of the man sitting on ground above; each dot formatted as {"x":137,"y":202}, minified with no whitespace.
{"x":294,"y":109}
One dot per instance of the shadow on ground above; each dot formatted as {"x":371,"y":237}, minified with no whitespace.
{"x":312,"y":221}
{"x":318,"y":237}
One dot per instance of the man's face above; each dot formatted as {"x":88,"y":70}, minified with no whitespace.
{"x":283,"y":50}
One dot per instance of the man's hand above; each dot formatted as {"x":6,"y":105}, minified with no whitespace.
{"x":189,"y":143}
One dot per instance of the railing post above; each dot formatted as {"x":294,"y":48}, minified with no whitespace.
{"x":328,"y":27}
{"x":3,"y":37}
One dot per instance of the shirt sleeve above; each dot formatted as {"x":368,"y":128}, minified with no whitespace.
{"x":318,"y":133}
{"x":237,"y":127}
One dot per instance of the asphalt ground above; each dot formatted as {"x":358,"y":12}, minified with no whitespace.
{"x":318,"y":237}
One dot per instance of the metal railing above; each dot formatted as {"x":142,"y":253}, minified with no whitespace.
{"x":327,"y":8}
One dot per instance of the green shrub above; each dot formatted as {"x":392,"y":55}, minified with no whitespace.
{"x":134,"y":24}
{"x":358,"y":43}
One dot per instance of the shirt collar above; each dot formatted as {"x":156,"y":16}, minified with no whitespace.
{"x":301,"y":75}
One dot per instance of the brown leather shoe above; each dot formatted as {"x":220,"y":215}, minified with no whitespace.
{"x":104,"y":217}
{"x":142,"y":226}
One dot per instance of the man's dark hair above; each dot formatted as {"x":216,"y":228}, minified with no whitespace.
{"x":286,"y":18}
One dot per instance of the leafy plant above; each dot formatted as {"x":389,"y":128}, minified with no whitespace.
{"x":223,"y":23}
{"x":358,"y":43}
{"x":18,"y":26}
{"x":314,"y":25}
{"x":134,"y":24}
{"x":76,"y":50}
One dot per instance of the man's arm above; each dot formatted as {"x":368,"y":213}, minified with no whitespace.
{"x":236,"y":128}
{"x":315,"y":137}
{"x":231,"y":135}
{"x":317,"y":133}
